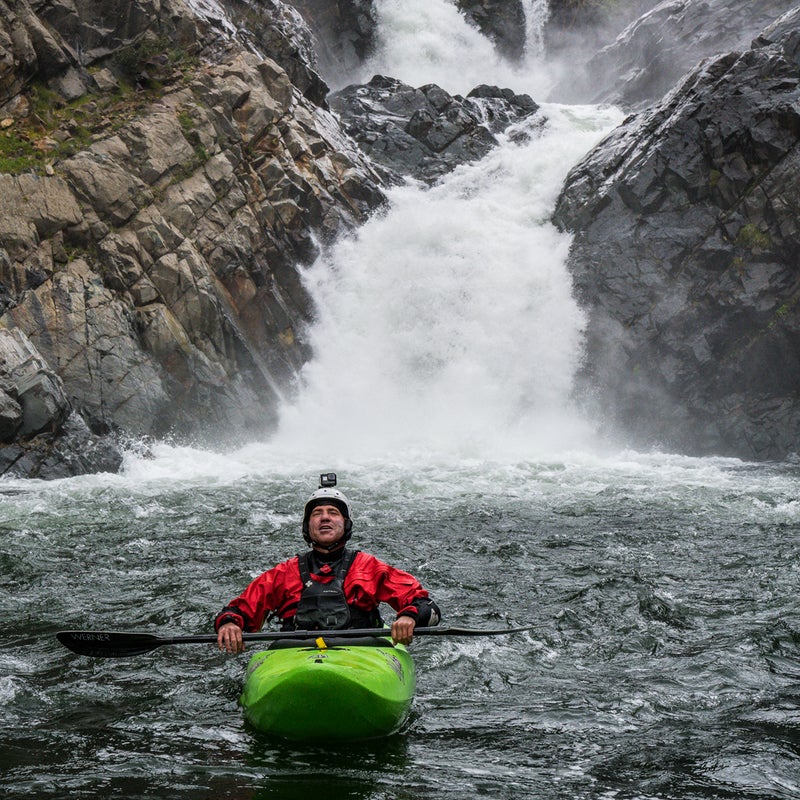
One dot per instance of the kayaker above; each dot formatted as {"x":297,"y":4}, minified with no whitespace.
{"x":329,"y":587}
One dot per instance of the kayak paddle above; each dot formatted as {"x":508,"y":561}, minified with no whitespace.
{"x":117,"y":644}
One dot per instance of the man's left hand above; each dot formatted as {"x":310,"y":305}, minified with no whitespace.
{"x":403,"y":630}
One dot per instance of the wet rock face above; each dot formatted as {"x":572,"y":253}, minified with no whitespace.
{"x":344,"y":32}
{"x":40,"y":434}
{"x":595,"y":16}
{"x":502,"y":21}
{"x":278,"y":31}
{"x":178,"y":240}
{"x":685,"y":252}
{"x":426,"y":132}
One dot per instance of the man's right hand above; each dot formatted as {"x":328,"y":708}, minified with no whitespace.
{"x":229,"y":638}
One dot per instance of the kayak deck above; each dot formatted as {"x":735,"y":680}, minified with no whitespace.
{"x":308,"y":690}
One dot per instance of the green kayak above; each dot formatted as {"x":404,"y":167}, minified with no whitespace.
{"x":342,"y":689}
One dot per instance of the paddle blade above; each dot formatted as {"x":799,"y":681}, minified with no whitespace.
{"x":108,"y":644}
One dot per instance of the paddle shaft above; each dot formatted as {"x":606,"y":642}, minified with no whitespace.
{"x":119,"y":644}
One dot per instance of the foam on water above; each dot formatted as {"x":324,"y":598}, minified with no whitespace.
{"x":729,"y":487}
{"x":8,"y":688}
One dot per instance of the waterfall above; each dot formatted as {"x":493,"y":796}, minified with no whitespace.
{"x":448,"y":323}
{"x":537,"y":13}
{"x":430,"y":41}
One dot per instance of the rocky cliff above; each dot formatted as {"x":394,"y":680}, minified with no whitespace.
{"x":686,"y":251}
{"x":162,"y":177}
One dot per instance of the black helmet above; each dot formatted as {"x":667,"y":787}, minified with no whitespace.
{"x":328,"y":496}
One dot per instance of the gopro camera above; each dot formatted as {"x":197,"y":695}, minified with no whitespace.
{"x":327,"y":479}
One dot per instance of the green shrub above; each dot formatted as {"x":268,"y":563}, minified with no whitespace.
{"x":751,"y":237}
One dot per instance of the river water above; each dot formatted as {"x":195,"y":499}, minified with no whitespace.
{"x":665,"y":661}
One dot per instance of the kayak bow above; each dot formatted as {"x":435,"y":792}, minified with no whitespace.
{"x":350,"y":690}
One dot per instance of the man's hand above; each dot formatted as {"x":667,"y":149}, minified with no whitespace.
{"x":403,"y":630}
{"x":229,"y":638}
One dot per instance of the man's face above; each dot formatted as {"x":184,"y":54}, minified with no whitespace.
{"x":325,"y":524}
